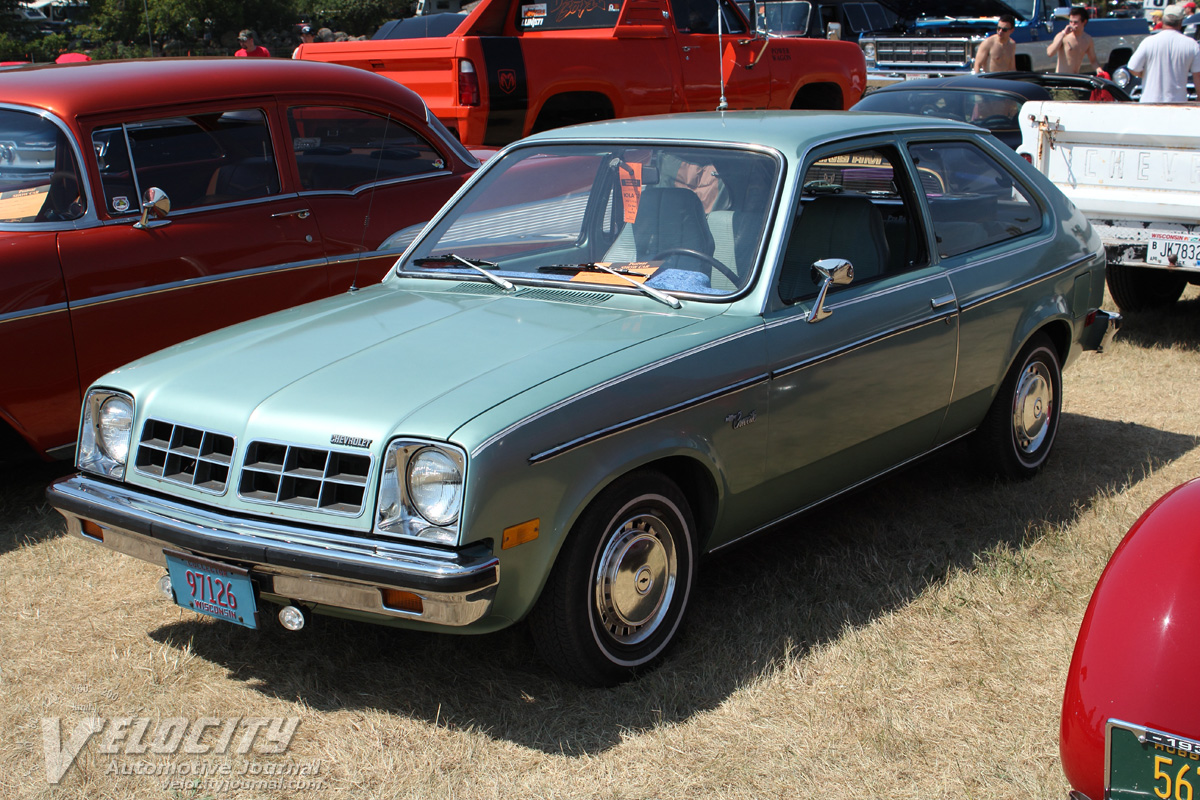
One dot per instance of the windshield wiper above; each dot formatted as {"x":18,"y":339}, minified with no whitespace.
{"x":455,"y":260}
{"x":623,"y":274}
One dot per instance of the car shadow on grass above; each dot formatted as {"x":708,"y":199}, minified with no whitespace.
{"x":25,"y":516}
{"x":780,"y":595}
{"x":1176,"y":325}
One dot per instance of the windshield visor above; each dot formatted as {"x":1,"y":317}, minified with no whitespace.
{"x":683,"y":220}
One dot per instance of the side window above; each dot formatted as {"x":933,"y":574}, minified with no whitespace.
{"x":700,"y":16}
{"x":39,"y":176}
{"x":858,"y":206}
{"x":558,"y":15}
{"x":973,"y":199}
{"x":344,"y":148}
{"x":198,"y":160}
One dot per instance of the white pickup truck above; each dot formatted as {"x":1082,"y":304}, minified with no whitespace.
{"x":1134,"y":171}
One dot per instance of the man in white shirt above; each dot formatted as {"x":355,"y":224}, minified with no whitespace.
{"x":1164,"y":60}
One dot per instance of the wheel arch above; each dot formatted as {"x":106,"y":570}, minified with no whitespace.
{"x":819,"y":95}
{"x":561,"y":108}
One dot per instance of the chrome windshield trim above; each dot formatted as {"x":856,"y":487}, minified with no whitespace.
{"x":1025,"y":284}
{"x":27,"y":313}
{"x":861,"y":343}
{"x":645,"y":418}
{"x":190,"y":282}
{"x":550,"y":409}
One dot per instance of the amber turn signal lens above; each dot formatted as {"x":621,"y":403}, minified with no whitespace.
{"x":520,"y":534}
{"x":92,"y":529}
{"x":401,"y":600}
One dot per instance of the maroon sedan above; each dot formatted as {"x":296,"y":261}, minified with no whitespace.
{"x":145,"y":202}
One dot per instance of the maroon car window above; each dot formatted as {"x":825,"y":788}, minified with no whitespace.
{"x":344,"y":148}
{"x":974,"y":201}
{"x":39,"y":176}
{"x":198,"y":160}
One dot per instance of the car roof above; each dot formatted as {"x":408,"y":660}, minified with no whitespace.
{"x":1030,"y":90}
{"x":101,"y":87}
{"x":787,"y":131}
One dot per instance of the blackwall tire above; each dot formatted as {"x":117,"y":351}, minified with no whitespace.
{"x":1142,"y":288}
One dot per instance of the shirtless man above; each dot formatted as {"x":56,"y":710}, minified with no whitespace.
{"x":998,"y":53}
{"x":1071,"y":44}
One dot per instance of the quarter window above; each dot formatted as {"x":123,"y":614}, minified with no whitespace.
{"x":39,"y":176}
{"x":973,"y":200}
{"x":343,"y":148}
{"x":198,"y":160}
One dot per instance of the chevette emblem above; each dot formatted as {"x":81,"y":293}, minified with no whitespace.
{"x":350,"y":441}
{"x":739,"y":420}
{"x":507,"y":79}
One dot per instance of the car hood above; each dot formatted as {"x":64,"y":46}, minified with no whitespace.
{"x":387,"y":360}
{"x":911,"y":9}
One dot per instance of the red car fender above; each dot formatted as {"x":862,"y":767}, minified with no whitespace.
{"x":1139,"y":645}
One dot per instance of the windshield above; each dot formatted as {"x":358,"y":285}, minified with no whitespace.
{"x":677,"y":219}
{"x":39,"y":178}
{"x":993,"y":111}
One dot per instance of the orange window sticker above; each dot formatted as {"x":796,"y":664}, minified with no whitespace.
{"x":636,"y":271}
{"x":631,"y":189}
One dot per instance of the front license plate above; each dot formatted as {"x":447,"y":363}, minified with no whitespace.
{"x":1185,"y":247}
{"x":1145,"y":763}
{"x":212,"y":588}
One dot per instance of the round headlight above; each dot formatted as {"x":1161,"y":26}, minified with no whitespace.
{"x":435,"y":486}
{"x":115,"y":421}
{"x":1122,"y":77}
{"x":869,"y":51}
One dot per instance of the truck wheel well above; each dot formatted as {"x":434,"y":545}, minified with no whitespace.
{"x":819,"y":96}
{"x":571,"y":108}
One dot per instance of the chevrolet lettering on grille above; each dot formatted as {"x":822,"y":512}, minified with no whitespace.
{"x":350,"y":441}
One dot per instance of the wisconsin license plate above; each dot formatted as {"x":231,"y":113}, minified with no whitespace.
{"x":1145,"y":763}
{"x":212,"y":588}
{"x":1185,"y":247}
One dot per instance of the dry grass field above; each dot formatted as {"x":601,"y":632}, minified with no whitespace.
{"x":910,"y":641}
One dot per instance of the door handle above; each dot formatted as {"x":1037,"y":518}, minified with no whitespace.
{"x":687,"y":48}
{"x":302,"y":213}
{"x":941,"y":302}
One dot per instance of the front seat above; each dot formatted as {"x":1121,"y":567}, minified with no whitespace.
{"x":666,"y":218}
{"x":833,"y":226}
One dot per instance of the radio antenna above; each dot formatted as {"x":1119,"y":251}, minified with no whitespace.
{"x":362,"y":244}
{"x":723,"y":105}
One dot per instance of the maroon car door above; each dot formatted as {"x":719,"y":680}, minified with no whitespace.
{"x":236,"y":243}
{"x":367,"y":175}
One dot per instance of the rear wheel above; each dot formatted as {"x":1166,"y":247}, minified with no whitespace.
{"x":1018,"y":432}
{"x":1141,"y":288}
{"x":619,"y":588}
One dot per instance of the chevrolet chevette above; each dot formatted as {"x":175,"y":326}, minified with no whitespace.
{"x":621,"y":346}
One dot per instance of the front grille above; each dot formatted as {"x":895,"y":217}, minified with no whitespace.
{"x":188,"y":456}
{"x":304,"y":477}
{"x":946,"y":52}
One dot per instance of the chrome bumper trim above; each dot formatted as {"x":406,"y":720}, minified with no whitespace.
{"x":1100,"y":333}
{"x":457,"y":587}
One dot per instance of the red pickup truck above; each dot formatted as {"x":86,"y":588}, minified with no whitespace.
{"x":514,"y":67}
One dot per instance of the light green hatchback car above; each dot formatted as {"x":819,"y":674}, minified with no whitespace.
{"x":621,"y":346}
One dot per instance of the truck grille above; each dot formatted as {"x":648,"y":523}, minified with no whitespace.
{"x":188,"y":456}
{"x":921,"y":51}
{"x":304,"y":477}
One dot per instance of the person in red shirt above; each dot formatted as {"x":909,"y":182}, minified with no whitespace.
{"x":250,"y":47}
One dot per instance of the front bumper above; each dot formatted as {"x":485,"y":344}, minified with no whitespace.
{"x":456,"y":587}
{"x":1099,"y":334}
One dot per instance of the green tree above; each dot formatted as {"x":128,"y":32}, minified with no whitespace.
{"x":356,"y":17}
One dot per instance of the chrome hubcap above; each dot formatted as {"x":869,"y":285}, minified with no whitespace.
{"x":1033,"y":407}
{"x":635,"y":579}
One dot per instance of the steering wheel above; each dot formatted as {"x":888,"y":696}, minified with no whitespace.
{"x":994,"y":122}
{"x":707,"y":259}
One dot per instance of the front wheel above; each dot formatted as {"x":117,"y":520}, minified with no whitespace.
{"x":1018,"y":432}
{"x":619,"y":588}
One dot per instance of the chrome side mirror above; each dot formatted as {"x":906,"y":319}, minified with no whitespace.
{"x":830,"y":272}
{"x":156,"y":200}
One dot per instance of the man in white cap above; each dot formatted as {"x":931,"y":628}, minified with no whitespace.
{"x":1164,"y":60}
